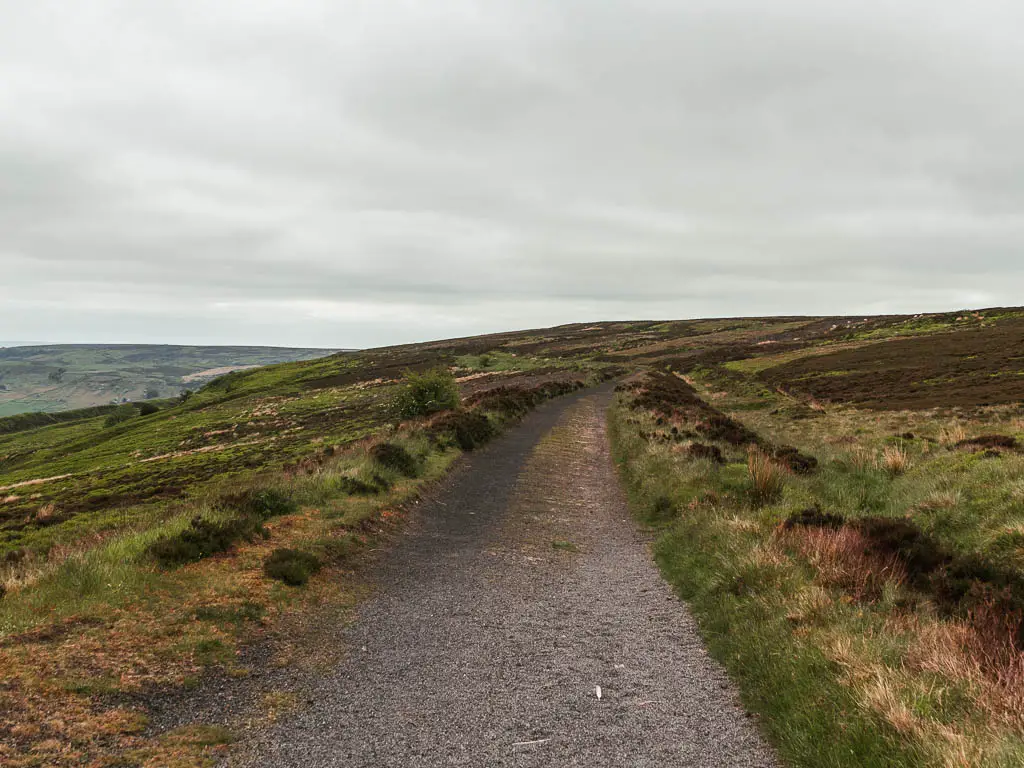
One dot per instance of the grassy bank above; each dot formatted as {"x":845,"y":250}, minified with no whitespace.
{"x":865,"y":597}
{"x":163,"y":599}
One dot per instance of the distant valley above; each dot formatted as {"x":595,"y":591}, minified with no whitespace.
{"x":58,"y":377}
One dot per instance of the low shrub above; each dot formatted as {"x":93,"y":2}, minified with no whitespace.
{"x":663,"y":509}
{"x":720,"y":427}
{"x":469,"y":429}
{"x":425,"y":393}
{"x":203,"y":538}
{"x":396,"y":457}
{"x":813,"y":517}
{"x":795,"y":461}
{"x":120,"y":415}
{"x":147,"y":409}
{"x":261,"y":503}
{"x":292,"y":566}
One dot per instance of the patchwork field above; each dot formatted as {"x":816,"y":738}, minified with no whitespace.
{"x":57,"y":377}
{"x":839,"y":499}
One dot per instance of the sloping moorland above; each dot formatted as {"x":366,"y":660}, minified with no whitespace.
{"x":839,"y":499}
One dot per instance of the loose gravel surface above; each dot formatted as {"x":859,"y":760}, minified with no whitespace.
{"x":520,"y":622}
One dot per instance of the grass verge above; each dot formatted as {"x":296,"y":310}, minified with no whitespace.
{"x":859,"y":605}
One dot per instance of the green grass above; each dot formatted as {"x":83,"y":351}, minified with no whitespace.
{"x":832,"y":674}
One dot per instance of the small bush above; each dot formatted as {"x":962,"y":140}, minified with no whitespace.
{"x":396,"y":457}
{"x":792,"y":459}
{"x":472,"y":430}
{"x":122,"y":414}
{"x":263,"y":504}
{"x":147,"y":409}
{"x":663,"y":509}
{"x":292,"y":566}
{"x":814,"y":517}
{"x":767,"y":478}
{"x":468,"y":429}
{"x":203,"y":538}
{"x":426,"y":393}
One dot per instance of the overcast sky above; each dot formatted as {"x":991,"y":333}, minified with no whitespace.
{"x":348,"y":173}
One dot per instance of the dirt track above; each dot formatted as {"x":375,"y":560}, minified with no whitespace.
{"x":523,"y":588}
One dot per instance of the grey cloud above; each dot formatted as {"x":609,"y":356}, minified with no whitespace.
{"x":359,"y":173}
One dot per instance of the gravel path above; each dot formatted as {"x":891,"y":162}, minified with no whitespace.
{"x":522,"y":589}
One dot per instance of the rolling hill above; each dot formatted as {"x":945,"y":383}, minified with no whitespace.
{"x":838,"y":499}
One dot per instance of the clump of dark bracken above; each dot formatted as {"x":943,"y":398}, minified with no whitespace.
{"x":918,"y":551}
{"x":990,"y":442}
{"x":396,"y":457}
{"x":262,"y":503}
{"x":960,"y":583}
{"x":468,"y":429}
{"x":292,"y":566}
{"x":797,"y":462}
{"x":202,"y":538}
{"x":515,"y":402}
{"x":814,"y":517}
{"x":247,"y":511}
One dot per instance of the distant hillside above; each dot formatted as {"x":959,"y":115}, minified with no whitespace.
{"x":59,"y":377}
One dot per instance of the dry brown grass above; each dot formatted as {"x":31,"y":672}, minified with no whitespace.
{"x":46,"y":512}
{"x":862,"y":459}
{"x":842,"y":560}
{"x":937,"y":500}
{"x":767,"y":477}
{"x":951,"y":434}
{"x":895,"y":460}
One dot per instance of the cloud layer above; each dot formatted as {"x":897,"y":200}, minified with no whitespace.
{"x":351,"y":174}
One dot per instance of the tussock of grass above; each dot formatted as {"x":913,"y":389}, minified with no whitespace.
{"x":895,"y":460}
{"x":767,"y":477}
